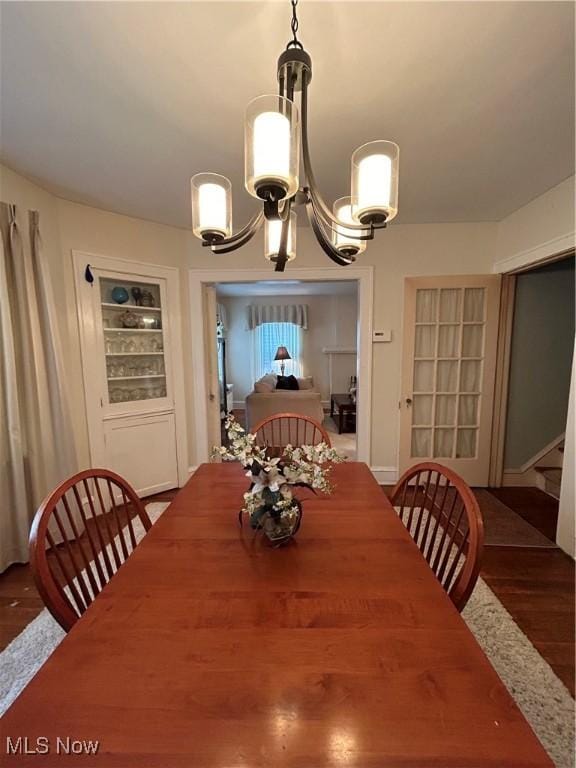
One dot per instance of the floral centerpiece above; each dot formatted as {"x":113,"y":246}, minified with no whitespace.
{"x":270,"y":503}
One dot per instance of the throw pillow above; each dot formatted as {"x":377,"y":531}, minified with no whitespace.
{"x":287,"y":382}
{"x":263,"y":387}
{"x":306,"y":383}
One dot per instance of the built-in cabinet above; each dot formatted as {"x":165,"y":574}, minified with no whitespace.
{"x":129,"y":317}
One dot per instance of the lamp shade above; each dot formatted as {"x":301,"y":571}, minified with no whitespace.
{"x":282,"y":354}
{"x":273,"y":233}
{"x":211,"y":206}
{"x":375,"y":182}
{"x":343,"y":238}
{"x":271,"y":148}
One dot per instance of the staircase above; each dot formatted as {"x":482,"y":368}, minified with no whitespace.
{"x":549,"y":474}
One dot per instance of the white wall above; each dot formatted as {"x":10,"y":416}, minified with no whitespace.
{"x":541,"y":228}
{"x":65,"y":226}
{"x":399,"y":251}
{"x":332,"y":321}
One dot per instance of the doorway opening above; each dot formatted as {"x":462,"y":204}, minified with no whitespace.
{"x":541,"y":340}
{"x":290,"y":348}
{"x":322,"y":321}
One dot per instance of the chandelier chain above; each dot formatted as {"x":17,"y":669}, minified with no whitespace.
{"x":294,"y":43}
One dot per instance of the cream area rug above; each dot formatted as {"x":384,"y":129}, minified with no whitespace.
{"x":542,"y":697}
{"x":346,"y":442}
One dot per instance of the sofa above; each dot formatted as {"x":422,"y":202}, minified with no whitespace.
{"x":266,"y":400}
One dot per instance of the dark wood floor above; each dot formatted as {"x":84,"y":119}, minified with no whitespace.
{"x":536,"y":507}
{"x":536,"y":585}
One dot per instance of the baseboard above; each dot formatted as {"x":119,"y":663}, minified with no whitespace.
{"x":239,"y":405}
{"x":385,"y":475}
{"x":191,"y":471}
{"x":514,"y":478}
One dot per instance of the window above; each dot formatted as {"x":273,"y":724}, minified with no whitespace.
{"x":267,"y":338}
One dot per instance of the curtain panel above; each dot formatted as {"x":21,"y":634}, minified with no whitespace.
{"x":287,"y":313}
{"x":267,"y":338}
{"x":37,"y":448}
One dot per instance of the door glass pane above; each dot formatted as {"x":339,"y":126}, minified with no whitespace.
{"x":470,"y":376}
{"x":425,"y":342}
{"x":450,"y":299}
{"x":132,"y":321}
{"x":447,"y":376}
{"x":466,"y":443}
{"x":422,"y":409}
{"x":445,"y":410}
{"x":474,"y":305}
{"x":472,"y":338}
{"x":468,"y":410}
{"x":421,"y":443}
{"x":443,"y":443}
{"x":426,"y":300}
{"x":449,"y":340}
{"x":423,"y":376}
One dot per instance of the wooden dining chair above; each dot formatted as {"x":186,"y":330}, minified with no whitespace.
{"x":281,"y":429}
{"x":443,"y":517}
{"x":82,"y":533}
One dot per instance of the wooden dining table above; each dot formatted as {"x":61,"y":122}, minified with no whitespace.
{"x":211,"y":649}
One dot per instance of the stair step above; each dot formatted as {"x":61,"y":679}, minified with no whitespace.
{"x":554,"y":474}
{"x":552,"y":479}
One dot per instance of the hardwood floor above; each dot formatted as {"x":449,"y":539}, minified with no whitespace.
{"x":536,"y":585}
{"x":536,"y":507}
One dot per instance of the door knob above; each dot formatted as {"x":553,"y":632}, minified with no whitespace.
{"x":408,"y":401}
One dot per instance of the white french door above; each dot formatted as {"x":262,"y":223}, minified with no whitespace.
{"x":448,"y":372}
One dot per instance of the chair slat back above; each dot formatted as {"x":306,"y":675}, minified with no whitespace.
{"x":82,"y":533}
{"x":282,"y":429}
{"x":443,"y":517}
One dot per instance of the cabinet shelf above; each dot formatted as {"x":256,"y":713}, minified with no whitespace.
{"x":132,"y":354}
{"x":132,"y":330}
{"x":109,"y":305}
{"x":131,"y":378}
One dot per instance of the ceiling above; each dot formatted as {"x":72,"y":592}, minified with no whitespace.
{"x":117,"y":104}
{"x":288,"y":288}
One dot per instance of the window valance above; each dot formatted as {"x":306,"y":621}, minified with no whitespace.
{"x":281,"y":313}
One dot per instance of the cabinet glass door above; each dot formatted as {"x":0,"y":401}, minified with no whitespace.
{"x":133,"y":330}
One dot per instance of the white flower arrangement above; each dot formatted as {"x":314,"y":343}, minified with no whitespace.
{"x":270,"y":503}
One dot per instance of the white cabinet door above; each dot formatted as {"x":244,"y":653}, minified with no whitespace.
{"x":449,"y":358}
{"x":143,"y":450}
{"x":132,"y":364}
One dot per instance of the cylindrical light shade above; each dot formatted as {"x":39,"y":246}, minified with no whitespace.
{"x":343,"y":238}
{"x":271,"y":148}
{"x":375,"y":182}
{"x":211,"y":206}
{"x":272,"y":233}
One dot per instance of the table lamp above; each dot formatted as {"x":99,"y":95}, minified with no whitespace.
{"x":282,"y":354}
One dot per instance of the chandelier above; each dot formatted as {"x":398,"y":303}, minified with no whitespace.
{"x":273,"y":134}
